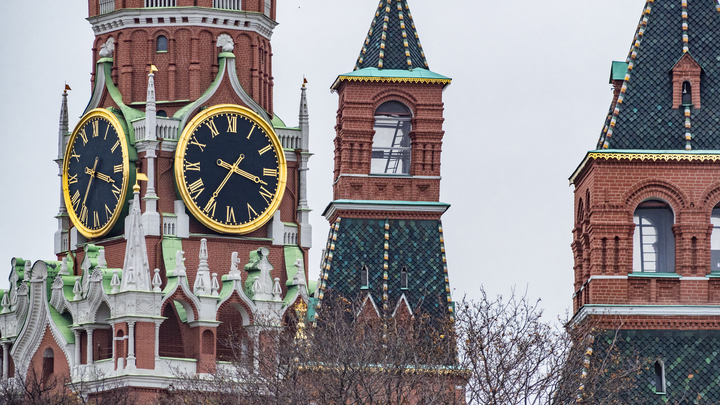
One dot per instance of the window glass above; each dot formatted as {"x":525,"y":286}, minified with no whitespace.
{"x":161,"y":44}
{"x":715,"y":240}
{"x":391,"y":144}
{"x":653,"y":241}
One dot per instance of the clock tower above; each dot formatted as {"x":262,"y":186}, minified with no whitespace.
{"x":183,"y":213}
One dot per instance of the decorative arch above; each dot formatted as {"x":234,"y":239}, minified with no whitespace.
{"x":655,"y":189}
{"x":396,"y":95}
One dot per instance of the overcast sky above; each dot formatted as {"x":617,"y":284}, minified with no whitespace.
{"x":529,"y":94}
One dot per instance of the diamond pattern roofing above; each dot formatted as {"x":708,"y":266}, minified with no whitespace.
{"x":643,"y":117}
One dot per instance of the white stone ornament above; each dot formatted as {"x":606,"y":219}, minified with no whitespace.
{"x":215,"y":285}
{"x":102,"y":264}
{"x":5,"y":303}
{"x":136,"y":263}
{"x":226,"y":42}
{"x":64,"y":268}
{"x":157,"y":282}
{"x":299,"y":278}
{"x":77,"y":290}
{"x":180,"y":264}
{"x":115,"y":282}
{"x":202,"y":280}
{"x":256,"y":285}
{"x":234,"y":267}
{"x":277,"y":290}
{"x":107,"y":49}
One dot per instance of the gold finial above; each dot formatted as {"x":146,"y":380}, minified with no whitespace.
{"x":304,"y":81}
{"x":66,"y":88}
{"x":153,"y":69}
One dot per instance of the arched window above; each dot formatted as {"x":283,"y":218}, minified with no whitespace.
{"x":161,"y":113}
{"x":364,"y":277}
{"x":391,"y":144}
{"x":162,"y":44}
{"x":654,"y":242}
{"x":687,"y":93}
{"x":48,"y":362}
{"x":715,"y":240}
{"x":659,"y":377}
{"x":404,"y":278}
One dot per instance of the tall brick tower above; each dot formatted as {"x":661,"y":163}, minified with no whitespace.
{"x":183,"y":215}
{"x":386,"y":242}
{"x":647,"y":204}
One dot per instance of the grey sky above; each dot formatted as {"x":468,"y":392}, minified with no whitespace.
{"x":529,"y":94}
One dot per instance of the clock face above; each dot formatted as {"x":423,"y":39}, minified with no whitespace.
{"x":95,"y":173}
{"x":230,"y":169}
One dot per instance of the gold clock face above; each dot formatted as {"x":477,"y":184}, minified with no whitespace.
{"x":96,"y":173}
{"x":230,"y":169}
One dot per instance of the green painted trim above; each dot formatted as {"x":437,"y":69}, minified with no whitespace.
{"x":277,"y":122}
{"x":226,"y":55}
{"x":161,"y":51}
{"x":160,"y":102}
{"x":655,"y":275}
{"x":129,"y":113}
{"x":63,"y":322}
{"x":290,"y":224}
{"x":170,"y":247}
{"x":713,"y":275}
{"x":181,"y":311}
{"x":176,"y":358}
{"x":618,"y":71}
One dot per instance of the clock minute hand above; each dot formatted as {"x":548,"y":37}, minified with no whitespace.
{"x":227,"y":177}
{"x":104,"y":177}
{"x":91,"y":177}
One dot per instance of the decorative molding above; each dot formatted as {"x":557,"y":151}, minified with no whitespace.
{"x":649,"y":310}
{"x":249,"y":101}
{"x":195,"y":16}
{"x":391,"y":80}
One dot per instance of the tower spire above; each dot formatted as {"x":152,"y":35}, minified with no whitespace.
{"x":392,"y":41}
{"x":136,"y":270}
{"x":61,"y":235}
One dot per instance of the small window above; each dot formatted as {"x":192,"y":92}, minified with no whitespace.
{"x":659,"y":377}
{"x":162,"y":44}
{"x":391,"y":143}
{"x":653,"y":241}
{"x":686,"y":93}
{"x":364,"y":277}
{"x":268,"y":7}
{"x":404,"y":278}
{"x":715,"y":240}
{"x":161,"y":113}
{"x":48,"y":362}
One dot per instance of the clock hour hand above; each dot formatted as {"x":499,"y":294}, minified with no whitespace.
{"x":227,"y":177}
{"x":241,"y":172}
{"x":103,"y":177}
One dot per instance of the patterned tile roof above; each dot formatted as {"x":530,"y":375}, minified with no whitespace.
{"x":643,"y":117}
{"x":392,"y":41}
{"x":385,"y":247}
{"x":691,"y":360}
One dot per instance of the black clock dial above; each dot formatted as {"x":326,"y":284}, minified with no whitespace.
{"x":230,"y":170}
{"x":95,"y":175}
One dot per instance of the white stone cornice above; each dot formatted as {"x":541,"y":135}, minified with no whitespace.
{"x":648,"y":310}
{"x":196,"y":16}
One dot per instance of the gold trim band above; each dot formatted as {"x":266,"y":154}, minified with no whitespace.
{"x":654,"y":156}
{"x":393,"y":79}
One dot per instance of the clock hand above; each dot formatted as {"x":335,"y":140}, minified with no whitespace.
{"x":227,"y":177}
{"x":241,"y":172}
{"x":91,"y":177}
{"x":103,"y":177}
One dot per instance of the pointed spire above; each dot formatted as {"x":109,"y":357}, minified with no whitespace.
{"x":136,"y":270}
{"x":392,"y":41}
{"x":157,"y":282}
{"x":202,"y":280}
{"x":63,"y":127}
{"x":150,"y":109}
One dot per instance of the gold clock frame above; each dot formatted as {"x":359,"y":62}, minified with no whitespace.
{"x":179,"y":172}
{"x":106,"y":114}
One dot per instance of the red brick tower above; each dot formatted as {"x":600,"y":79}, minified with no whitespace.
{"x":387,"y":176}
{"x":196,"y":248}
{"x":646,"y":203}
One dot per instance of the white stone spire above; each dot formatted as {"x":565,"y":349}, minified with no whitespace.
{"x":136,"y":270}
{"x":61,"y":235}
{"x":202,"y":279}
{"x":150,"y":109}
{"x":303,"y":211}
{"x":151,"y":217}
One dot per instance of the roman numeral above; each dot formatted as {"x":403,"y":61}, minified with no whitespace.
{"x":118,"y":168}
{"x":196,"y":188}
{"x":84,"y":215}
{"x":75,"y":199}
{"x":251,"y":212}
{"x":266,"y":195}
{"x":265,"y":149}
{"x":270,"y":172}
{"x":112,"y":150}
{"x":251,"y":132}
{"x":72,"y":179}
{"x":116,"y":192}
{"x":194,"y":141}
{"x":83,"y":136}
{"x":232,"y":123}
{"x":107,"y":128}
{"x":210,"y":206}
{"x":96,"y":128}
{"x":213,"y":129}
{"x":74,"y":155}
{"x":108,"y":212}
{"x":192,"y":166}
{"x":96,"y":219}
{"x":230,"y":214}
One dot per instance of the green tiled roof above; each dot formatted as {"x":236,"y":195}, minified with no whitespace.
{"x":692,"y":365}
{"x":392,"y":41}
{"x":644,"y":117}
{"x":385,"y":247}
